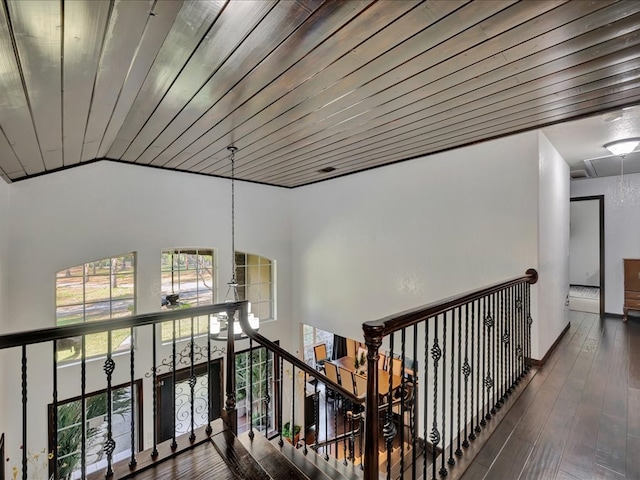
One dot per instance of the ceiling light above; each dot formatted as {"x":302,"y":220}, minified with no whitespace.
{"x":622,"y":147}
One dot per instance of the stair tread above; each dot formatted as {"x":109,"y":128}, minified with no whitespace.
{"x":276,"y":463}
{"x":331,"y":468}
{"x":237,"y":457}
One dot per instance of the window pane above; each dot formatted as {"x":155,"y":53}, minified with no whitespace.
{"x":253,"y":259}
{"x":97,"y":287}
{"x":97,"y":311}
{"x":264,"y":311}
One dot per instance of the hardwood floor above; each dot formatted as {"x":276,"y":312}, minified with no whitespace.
{"x":579,"y":418}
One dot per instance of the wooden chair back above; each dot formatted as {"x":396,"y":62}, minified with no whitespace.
{"x":347,"y":381}
{"x":361,"y":385}
{"x":331,"y":371}
{"x":320,"y":353}
{"x":382,"y":362}
{"x":351,"y":348}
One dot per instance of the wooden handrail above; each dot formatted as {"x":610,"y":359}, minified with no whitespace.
{"x":57,"y":333}
{"x":408,"y":318}
{"x":295,"y":361}
{"x":375,"y":331}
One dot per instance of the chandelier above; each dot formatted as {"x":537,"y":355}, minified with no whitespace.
{"x":219,"y":324}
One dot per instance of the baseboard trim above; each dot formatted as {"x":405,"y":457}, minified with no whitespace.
{"x":540,"y":363}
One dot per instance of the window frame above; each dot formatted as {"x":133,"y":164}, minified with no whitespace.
{"x":88,"y":303}
{"x":243,"y":286}
{"x":136,"y":409}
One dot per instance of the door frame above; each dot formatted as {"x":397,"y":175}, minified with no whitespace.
{"x":600,"y":199}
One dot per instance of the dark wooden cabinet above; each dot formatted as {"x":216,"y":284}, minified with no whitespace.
{"x":631,"y":285}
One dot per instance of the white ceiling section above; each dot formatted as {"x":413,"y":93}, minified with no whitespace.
{"x":299,"y":86}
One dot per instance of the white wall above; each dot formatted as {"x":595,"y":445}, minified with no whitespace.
{"x":584,"y":243}
{"x":553,"y":248}
{"x":621,"y":228}
{"x":107,"y":208}
{"x":382,"y":241}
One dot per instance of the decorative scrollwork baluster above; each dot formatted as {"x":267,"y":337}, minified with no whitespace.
{"x":389,"y":429}
{"x":110,"y":444}
{"x":478,"y":344}
{"x":488,"y":381}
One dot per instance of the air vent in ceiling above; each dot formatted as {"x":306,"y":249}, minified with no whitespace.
{"x":326,"y":170}
{"x":579,"y":174}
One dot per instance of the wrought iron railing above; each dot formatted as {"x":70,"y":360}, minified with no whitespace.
{"x":451,"y":366}
{"x":331,"y":423}
{"x":130,"y":365}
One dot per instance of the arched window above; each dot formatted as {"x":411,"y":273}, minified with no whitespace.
{"x":189,"y":274}
{"x":96,"y":290}
{"x":188,"y":280}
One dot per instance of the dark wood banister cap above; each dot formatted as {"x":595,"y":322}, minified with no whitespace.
{"x":392,"y":323}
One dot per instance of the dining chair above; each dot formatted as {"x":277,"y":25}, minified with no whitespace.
{"x":331,"y":371}
{"x":346,"y":380}
{"x":320,"y":355}
{"x":351,"y":348}
{"x":361,"y":385}
{"x":382,"y":361}
{"x":396,"y":366}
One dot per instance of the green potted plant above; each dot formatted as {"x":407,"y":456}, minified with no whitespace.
{"x":286,"y":433}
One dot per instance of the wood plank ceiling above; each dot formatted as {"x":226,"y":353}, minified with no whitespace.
{"x":298,"y":86}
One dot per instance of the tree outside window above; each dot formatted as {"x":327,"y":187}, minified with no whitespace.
{"x":187,"y":280}
{"x":96,"y":290}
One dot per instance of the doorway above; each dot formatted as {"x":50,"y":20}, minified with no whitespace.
{"x":586,"y":255}
{"x":181,"y":396}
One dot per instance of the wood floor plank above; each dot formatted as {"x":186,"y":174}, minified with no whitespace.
{"x":633,"y":459}
{"x":611,"y":447}
{"x":633,"y":412}
{"x":579,"y":418}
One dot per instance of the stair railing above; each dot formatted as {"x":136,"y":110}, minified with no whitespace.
{"x":37,"y":352}
{"x":335,"y":425}
{"x":450,"y":366}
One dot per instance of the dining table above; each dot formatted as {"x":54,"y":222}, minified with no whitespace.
{"x":348,"y":363}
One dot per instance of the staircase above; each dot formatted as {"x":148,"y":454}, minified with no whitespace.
{"x":261,"y":459}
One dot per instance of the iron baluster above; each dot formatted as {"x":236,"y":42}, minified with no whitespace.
{"x":466,"y":370}
{"x":304,"y":432}
{"x":451,"y":460}
{"x":426,"y":399}
{"x":459,"y":375}
{"x":54,"y":443}
{"x":494,"y":355}
{"x":316,"y":415}
{"x":482,"y":343}
{"x":249,"y":394}
{"x":154,"y":451}
{"x":174,"y":444}
{"x":443,"y":470}
{"x":326,"y":421}
{"x":414,"y":411}
{"x":403,"y":338}
{"x":478,"y":344}
{"x":472,"y":434}
{"x":83,"y":408}
{"x":110,"y":444}
{"x":488,"y":382}
{"x":192,"y":385}
{"x":209,"y":429}
{"x":24,"y":412}
{"x":500,"y":352}
{"x":132,"y":460}
{"x":389,"y":430}
{"x":280,"y":381}
{"x":436,"y":353}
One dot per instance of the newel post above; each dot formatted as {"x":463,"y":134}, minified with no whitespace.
{"x":373,"y":340}
{"x":230,"y":414}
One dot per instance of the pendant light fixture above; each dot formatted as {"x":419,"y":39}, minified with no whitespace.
{"x":218,"y":324}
